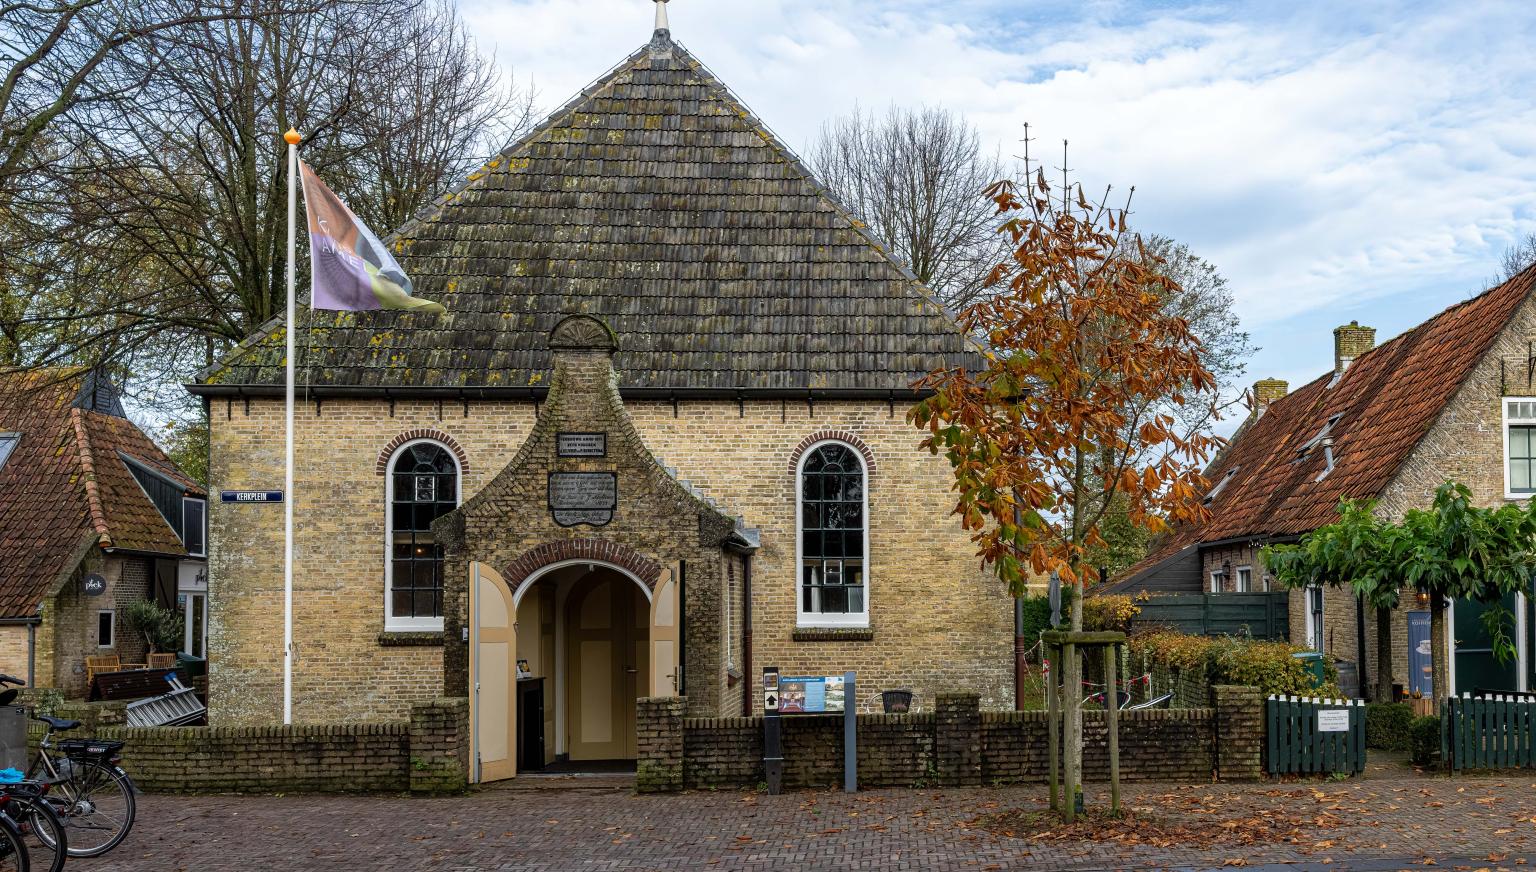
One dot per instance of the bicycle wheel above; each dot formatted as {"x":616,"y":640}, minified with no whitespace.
{"x":96,"y":803}
{"x":13,"y":849}
{"x":42,"y":832}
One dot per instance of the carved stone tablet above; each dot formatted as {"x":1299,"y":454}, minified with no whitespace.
{"x":583,"y":497}
{"x":581,"y":444}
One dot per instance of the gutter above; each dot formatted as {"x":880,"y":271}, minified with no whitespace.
{"x":541,"y":392}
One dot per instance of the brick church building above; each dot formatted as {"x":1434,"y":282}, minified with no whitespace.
{"x":656,"y":443}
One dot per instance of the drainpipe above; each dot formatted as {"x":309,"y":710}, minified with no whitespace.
{"x":31,"y":655}
{"x":1360,"y":648}
{"x":746,"y":635}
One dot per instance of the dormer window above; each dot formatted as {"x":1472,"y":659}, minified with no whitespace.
{"x":7,"y":445}
{"x":194,"y":537}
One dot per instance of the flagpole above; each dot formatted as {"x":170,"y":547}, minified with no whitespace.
{"x":292,"y":138}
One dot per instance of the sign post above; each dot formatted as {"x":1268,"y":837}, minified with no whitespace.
{"x":773,"y":738}
{"x":850,"y":736}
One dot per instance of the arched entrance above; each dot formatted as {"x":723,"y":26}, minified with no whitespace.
{"x":575,"y":644}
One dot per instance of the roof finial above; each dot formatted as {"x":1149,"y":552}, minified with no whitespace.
{"x":661,"y":40}
{"x":662,"y":25}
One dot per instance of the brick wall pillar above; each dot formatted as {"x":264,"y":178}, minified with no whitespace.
{"x":659,"y":743}
{"x":957,"y":739}
{"x":439,"y":746}
{"x":1239,"y":733}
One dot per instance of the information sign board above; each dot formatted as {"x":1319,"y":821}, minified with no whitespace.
{"x":811,"y":694}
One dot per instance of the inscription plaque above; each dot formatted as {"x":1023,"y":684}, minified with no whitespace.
{"x":581,"y":444}
{"x":583,"y":497}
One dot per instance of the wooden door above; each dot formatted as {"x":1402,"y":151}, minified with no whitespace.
{"x":493,"y":675}
{"x":606,"y":657}
{"x":666,"y":636}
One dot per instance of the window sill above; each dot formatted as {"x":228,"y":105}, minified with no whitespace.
{"x":833,"y":634}
{"x":411,"y":638}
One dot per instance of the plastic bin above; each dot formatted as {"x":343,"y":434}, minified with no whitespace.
{"x":1313,"y":660}
{"x":13,"y":737}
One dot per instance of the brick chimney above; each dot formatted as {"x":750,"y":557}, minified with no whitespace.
{"x":1266,"y":391}
{"x":1349,"y":342}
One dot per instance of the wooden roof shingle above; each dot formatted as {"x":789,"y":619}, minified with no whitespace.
{"x":658,"y":203}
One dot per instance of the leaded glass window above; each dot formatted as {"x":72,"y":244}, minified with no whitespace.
{"x":425,"y":486}
{"x":832,"y":533}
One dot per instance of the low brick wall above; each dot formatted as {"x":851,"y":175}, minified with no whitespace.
{"x":956,"y":745}
{"x":428,"y":754}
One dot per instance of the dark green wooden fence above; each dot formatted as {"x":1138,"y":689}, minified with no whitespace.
{"x":1303,"y":735}
{"x":1488,"y":732}
{"x":1262,"y":615}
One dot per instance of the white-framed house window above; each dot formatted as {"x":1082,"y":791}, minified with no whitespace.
{"x":1519,"y":447}
{"x":832,"y":537}
{"x":1315,"y":618}
{"x":1244,"y":579}
{"x":1218,"y":581}
{"x":106,"y":623}
{"x":423,"y":485}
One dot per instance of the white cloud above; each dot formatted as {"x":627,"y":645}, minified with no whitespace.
{"x":1321,"y":158}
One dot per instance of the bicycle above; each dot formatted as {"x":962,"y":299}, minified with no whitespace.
{"x":14,"y":856}
{"x":83,"y":784}
{"x":24,"y":804}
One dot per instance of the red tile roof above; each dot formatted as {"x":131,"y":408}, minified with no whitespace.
{"x":66,"y":487}
{"x":1386,"y":400}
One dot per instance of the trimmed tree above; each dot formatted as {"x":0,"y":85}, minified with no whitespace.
{"x":1359,"y":551}
{"x":1072,"y":416}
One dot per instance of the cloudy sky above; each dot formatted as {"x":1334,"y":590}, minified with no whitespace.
{"x":1335,"y":161}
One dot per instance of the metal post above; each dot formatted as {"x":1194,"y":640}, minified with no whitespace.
{"x":773,"y":739}
{"x":289,"y":328}
{"x":1052,"y":712}
{"x":850,"y":736}
{"x":1112,"y":719}
{"x":1069,"y":771}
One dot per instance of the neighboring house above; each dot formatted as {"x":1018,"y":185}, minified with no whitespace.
{"x":748,"y":454}
{"x":93,"y":515}
{"x":1451,"y":399}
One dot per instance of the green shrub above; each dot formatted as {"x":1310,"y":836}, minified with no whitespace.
{"x":1268,"y":666}
{"x":160,"y":627}
{"x":1109,"y":612}
{"x":1037,"y":617}
{"x":1424,"y":738}
{"x":1388,"y":726}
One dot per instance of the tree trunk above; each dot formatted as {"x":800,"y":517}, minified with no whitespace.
{"x":1384,"y":676}
{"x":1072,"y":699}
{"x":1440,"y":675}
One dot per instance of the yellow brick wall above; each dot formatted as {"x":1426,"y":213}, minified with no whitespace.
{"x":13,"y":650}
{"x":940,"y":623}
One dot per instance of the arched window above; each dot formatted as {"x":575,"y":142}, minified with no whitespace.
{"x":423,"y":486}
{"x":834,"y":548}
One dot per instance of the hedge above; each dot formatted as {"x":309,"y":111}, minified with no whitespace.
{"x":1268,"y":666}
{"x":1109,"y":612}
{"x":1388,"y":726}
{"x":1424,"y":740}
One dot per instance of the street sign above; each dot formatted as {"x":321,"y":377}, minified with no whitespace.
{"x":231,"y":496}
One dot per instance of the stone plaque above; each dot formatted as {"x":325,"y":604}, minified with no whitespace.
{"x":581,"y":444}
{"x":583,"y":497}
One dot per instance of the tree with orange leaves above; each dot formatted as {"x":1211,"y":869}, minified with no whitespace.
{"x":1073,"y":412}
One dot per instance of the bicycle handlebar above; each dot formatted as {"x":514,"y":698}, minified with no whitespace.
{"x":11,"y":679}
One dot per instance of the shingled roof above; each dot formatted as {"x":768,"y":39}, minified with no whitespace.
{"x":657,"y":202}
{"x":1383,"y":404}
{"x":66,"y":485}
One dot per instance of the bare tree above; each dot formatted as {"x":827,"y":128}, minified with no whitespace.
{"x":1517,"y":257}
{"x":170,"y":206}
{"x":917,"y":178}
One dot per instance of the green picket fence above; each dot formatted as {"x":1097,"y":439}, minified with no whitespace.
{"x":1488,"y":732}
{"x":1315,"y":736}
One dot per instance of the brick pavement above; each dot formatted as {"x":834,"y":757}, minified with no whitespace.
{"x":1383,"y":823}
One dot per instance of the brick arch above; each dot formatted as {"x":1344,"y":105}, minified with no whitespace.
{"x":597,"y":550}
{"x":449,"y":442}
{"x":846,"y":436}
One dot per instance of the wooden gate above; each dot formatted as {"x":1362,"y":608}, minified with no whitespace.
{"x":1488,"y":732}
{"x":1313,"y":735}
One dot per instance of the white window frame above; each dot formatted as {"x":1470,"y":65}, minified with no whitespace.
{"x":1243,"y":582}
{"x":1508,"y":420}
{"x":184,"y":525}
{"x":393,"y":624}
{"x":1316,"y":621}
{"x":111,"y":628}
{"x":8,"y":442}
{"x":1218,"y":580}
{"x":819,"y":619}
